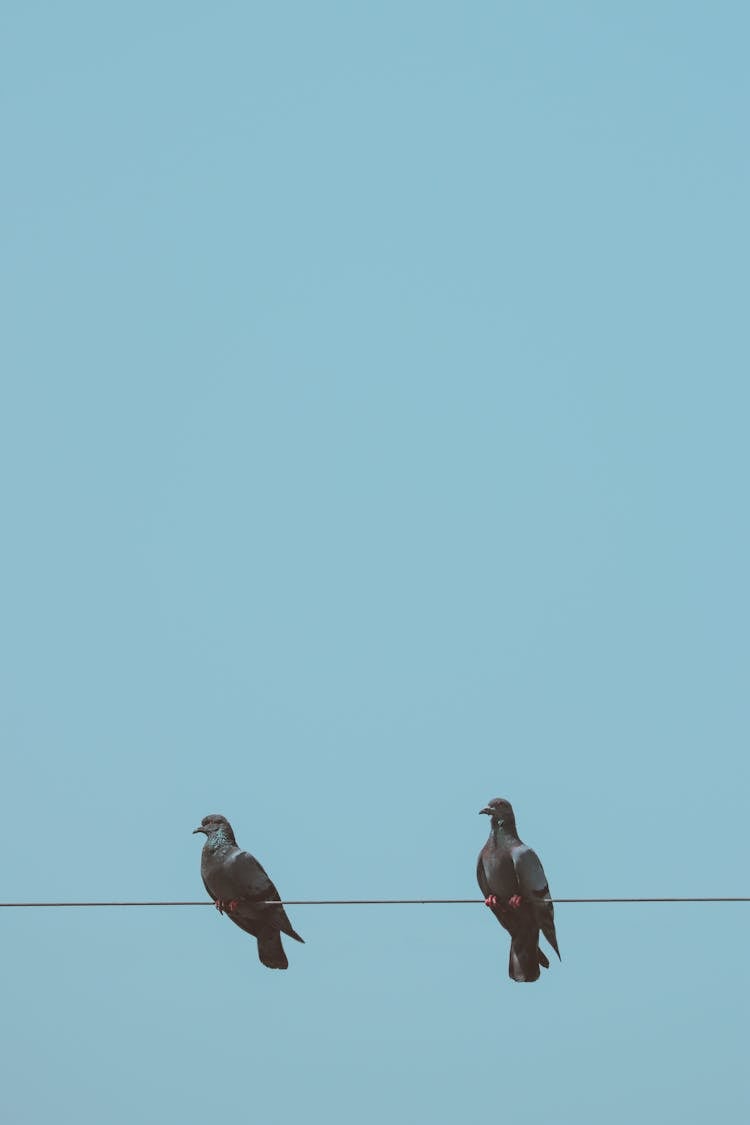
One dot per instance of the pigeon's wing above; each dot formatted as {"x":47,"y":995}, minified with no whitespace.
{"x":534,"y":888}
{"x":484,"y":886}
{"x":530,"y":873}
{"x":251,"y":879}
{"x":255,"y":888}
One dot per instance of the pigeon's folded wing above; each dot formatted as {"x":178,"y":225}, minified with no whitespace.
{"x":533,"y":886}
{"x":529,"y":872}
{"x":251,"y":880}
{"x":484,"y":885}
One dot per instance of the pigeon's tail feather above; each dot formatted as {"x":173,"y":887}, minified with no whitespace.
{"x":543,"y":959}
{"x":525,"y":958}
{"x":271,"y":951}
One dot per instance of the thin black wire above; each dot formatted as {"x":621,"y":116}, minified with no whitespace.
{"x":387,"y":901}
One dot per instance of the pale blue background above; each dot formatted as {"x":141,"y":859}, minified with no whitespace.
{"x":374,"y":442}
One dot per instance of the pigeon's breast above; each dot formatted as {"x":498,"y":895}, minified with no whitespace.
{"x":500,"y":872}
{"x":216,"y":869}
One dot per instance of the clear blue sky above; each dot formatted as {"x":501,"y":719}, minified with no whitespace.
{"x":373,"y":442}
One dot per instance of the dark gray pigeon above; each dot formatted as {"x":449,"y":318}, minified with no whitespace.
{"x":238,"y":885}
{"x":513,"y":882}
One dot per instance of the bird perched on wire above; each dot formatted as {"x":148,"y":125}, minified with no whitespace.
{"x":238,"y":885}
{"x":513,"y":882}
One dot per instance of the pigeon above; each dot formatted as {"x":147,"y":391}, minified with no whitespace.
{"x":515,"y":887}
{"x":238,"y":885}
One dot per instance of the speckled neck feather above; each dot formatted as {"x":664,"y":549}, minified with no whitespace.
{"x":221,"y":836}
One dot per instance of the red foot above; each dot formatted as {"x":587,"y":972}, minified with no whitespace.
{"x":235,"y":902}
{"x":219,"y":906}
{"x":490,"y":901}
{"x":515,"y":901}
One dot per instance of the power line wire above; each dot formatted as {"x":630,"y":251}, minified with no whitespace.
{"x":389,"y":901}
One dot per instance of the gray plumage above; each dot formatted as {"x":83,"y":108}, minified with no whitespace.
{"x":238,"y":885}
{"x":513,"y":882}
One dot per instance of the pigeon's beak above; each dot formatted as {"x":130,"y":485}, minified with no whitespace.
{"x":487,"y":810}
{"x":200,"y":828}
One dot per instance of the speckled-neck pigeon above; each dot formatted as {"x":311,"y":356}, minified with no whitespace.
{"x":515,"y":887}
{"x":238,"y":884}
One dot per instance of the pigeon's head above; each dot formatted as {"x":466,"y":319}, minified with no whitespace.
{"x":216,"y":825}
{"x":500,"y":810}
